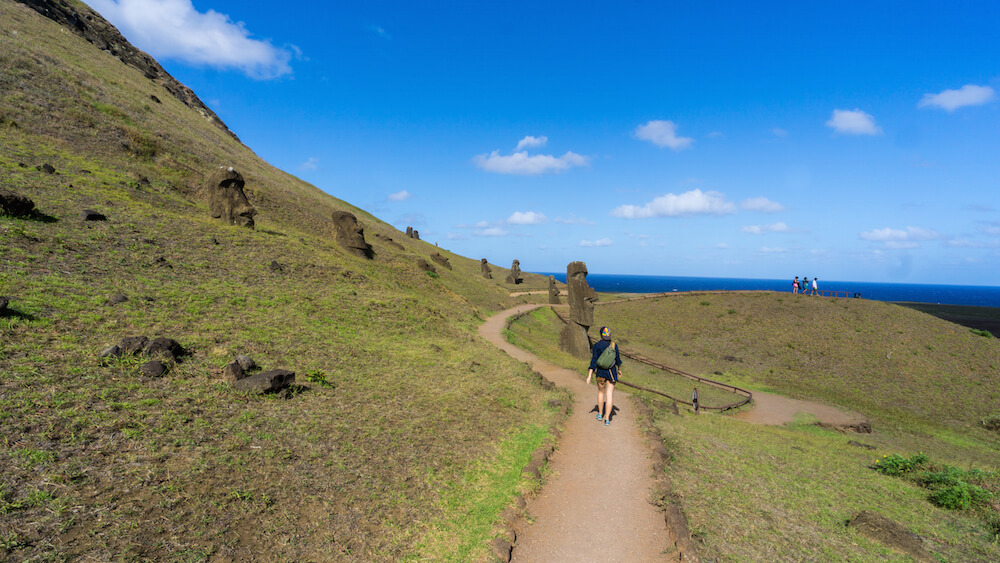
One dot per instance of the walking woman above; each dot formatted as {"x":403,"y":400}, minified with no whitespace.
{"x":607,"y":367}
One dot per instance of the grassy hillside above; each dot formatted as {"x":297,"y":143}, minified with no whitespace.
{"x":759,"y":493}
{"x":403,"y":427}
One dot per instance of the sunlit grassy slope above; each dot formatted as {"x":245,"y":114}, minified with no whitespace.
{"x":399,"y":405}
{"x":769,"y":493}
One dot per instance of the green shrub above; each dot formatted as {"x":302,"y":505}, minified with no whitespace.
{"x":983,"y":333}
{"x":897,"y":465}
{"x":960,"y":496}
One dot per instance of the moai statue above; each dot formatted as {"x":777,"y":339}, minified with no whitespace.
{"x":553,"y":292}
{"x":226,"y":199}
{"x":487,"y":271}
{"x":441,"y":260}
{"x":350,"y":235}
{"x":514,"y":276}
{"x":409,"y":232}
{"x":573,"y":337}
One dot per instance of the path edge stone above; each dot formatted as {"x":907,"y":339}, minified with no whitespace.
{"x":673,"y":513}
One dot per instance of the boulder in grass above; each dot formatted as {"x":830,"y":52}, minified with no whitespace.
{"x":266,"y":382}
{"x":891,"y":534}
{"x":3,"y":305}
{"x":425,"y":266}
{"x":153,"y":368}
{"x":233,"y":372}
{"x":166,"y":348}
{"x":15,"y":204}
{"x":246,"y":362}
{"x":91,"y":215}
{"x":132,"y":345}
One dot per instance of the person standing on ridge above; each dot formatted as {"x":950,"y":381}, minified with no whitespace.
{"x":607,"y":367}
{"x":815,"y":287}
{"x":795,"y":285}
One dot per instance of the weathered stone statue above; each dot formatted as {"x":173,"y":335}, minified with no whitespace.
{"x":441,"y":260}
{"x":350,"y":235}
{"x":388,"y":240}
{"x":553,"y":292}
{"x":226,"y":199}
{"x":487,"y":271}
{"x":573,"y":337}
{"x":412,"y":233}
{"x":514,"y":276}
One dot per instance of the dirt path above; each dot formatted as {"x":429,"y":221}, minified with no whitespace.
{"x":594,"y":505}
{"x":777,"y":410}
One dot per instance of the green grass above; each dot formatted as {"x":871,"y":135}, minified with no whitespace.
{"x":755,"y":493}
{"x":398,"y":400}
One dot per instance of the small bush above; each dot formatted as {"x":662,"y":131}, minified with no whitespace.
{"x":960,"y":496}
{"x":983,"y":333}
{"x":897,"y":465}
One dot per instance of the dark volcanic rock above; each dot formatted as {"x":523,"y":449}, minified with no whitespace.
{"x":166,"y":348}
{"x":246,"y":362}
{"x":132,"y":345}
{"x":153,"y":368}
{"x":46,"y":168}
{"x":3,"y":305}
{"x":15,"y":204}
{"x":266,"y":382}
{"x":233,"y":371}
{"x":117,"y":298}
{"x":91,"y":215}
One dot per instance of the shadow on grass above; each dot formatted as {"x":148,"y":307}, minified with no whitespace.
{"x":35,"y":216}
{"x":9,"y":313}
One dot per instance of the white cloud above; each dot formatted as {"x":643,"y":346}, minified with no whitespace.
{"x":853,"y":122}
{"x":573,"y":220}
{"x":772,"y":250}
{"x":992,"y":230}
{"x":521,"y":163}
{"x":779,"y":132}
{"x":761,"y":204}
{"x":311,"y":163}
{"x":764,"y":229}
{"x":530,"y":141}
{"x":175,"y":29}
{"x":694,"y":202}
{"x":596,"y":243}
{"x":966,"y":243}
{"x":899,"y":238}
{"x":400,"y":196}
{"x":662,"y":134}
{"x":491,"y":232}
{"x":526,"y":218}
{"x":950,"y":100}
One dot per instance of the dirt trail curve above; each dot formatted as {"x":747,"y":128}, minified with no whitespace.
{"x":594,"y":505}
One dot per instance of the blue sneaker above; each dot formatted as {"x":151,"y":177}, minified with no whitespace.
{"x":599,"y":416}
{"x":607,"y":422}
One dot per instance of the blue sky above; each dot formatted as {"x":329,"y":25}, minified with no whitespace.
{"x":849,"y":141}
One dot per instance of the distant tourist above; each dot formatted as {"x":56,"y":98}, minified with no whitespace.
{"x":795,"y":285}
{"x":815,"y":286}
{"x":607,"y":377}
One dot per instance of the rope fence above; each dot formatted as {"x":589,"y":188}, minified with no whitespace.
{"x":747,"y":395}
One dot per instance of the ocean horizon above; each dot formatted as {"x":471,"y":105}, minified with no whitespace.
{"x":982,"y":296}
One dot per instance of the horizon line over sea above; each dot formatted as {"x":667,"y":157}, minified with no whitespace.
{"x":981,"y":296}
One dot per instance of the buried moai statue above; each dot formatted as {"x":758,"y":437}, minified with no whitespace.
{"x":441,"y":260}
{"x":412,"y":233}
{"x":573,"y":337}
{"x":350,"y":235}
{"x":485,"y":268}
{"x":226,"y":199}
{"x":553,"y":292}
{"x":514,"y":276}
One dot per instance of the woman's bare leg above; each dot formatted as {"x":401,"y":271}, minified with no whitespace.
{"x":600,"y":394}
{"x":610,"y":393}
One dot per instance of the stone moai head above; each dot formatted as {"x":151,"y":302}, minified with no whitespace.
{"x":485,"y":268}
{"x":581,"y":295}
{"x":350,"y":235}
{"x":553,"y":291}
{"x":226,"y":199}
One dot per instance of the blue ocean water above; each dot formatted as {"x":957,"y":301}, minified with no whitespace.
{"x":984,"y":296}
